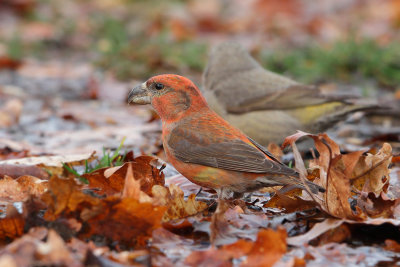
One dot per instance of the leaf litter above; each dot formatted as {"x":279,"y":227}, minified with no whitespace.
{"x":131,"y":214}
{"x":134,"y":214}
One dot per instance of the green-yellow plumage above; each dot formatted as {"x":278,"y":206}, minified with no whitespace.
{"x":267,"y":106}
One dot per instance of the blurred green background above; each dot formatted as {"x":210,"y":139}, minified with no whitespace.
{"x":312,"y":41}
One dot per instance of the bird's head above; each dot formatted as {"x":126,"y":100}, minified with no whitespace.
{"x":170,"y":95}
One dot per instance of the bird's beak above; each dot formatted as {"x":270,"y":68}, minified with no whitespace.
{"x":139,"y":95}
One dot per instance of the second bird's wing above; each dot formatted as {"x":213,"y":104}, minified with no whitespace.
{"x":241,"y":84}
{"x":191,"y":146}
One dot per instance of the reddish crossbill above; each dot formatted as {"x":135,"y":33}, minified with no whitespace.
{"x":205,"y":148}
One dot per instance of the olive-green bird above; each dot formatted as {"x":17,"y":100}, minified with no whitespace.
{"x":265,"y":105}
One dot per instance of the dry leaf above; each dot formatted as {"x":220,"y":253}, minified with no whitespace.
{"x":268,"y":248}
{"x":64,"y":197}
{"x":392,"y":245}
{"x":372,"y":171}
{"x":337,"y":170}
{"x":132,"y":188}
{"x":111,"y":181}
{"x":10,"y":111}
{"x":290,"y":204}
{"x":125,"y":220}
{"x":173,"y":198}
{"x":17,"y":170}
{"x":55,"y":252}
{"x":12,"y":225}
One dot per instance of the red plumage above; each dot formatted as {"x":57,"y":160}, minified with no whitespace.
{"x":205,"y":148}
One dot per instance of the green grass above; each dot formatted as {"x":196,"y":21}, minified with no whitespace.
{"x":349,"y":61}
{"x":138,"y":55}
{"x":15,"y":47}
{"x":107,"y":160}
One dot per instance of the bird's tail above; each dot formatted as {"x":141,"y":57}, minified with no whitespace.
{"x":293,"y":182}
{"x":314,"y":187}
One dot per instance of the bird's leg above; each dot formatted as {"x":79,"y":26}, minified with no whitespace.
{"x":201,"y":189}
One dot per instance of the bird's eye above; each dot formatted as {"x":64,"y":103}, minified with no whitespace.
{"x":159,"y":86}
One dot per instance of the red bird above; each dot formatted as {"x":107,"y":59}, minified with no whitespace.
{"x":205,"y":148}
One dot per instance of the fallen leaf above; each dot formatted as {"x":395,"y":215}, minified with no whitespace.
{"x":328,"y":224}
{"x":290,"y":204}
{"x":334,"y":235}
{"x":317,"y":230}
{"x":55,"y":252}
{"x":52,"y":161}
{"x":105,"y":185}
{"x":132,"y":188}
{"x":173,"y":198}
{"x":392,"y":245}
{"x":230,"y":223}
{"x":9,"y":63}
{"x":372,"y":171}
{"x":210,"y":257}
{"x":12,"y":226}
{"x":337,"y":170}
{"x":22,"y":250}
{"x":17,"y":170}
{"x":20,"y":189}
{"x":125,"y":220}
{"x":111,"y":181}
{"x":11,"y":191}
{"x":8,"y":260}
{"x":376,"y":207}
{"x":268,"y":248}
{"x":338,"y":192}
{"x":10,"y":153}
{"x":219,"y":226}
{"x":64,"y":197}
{"x":10,"y":111}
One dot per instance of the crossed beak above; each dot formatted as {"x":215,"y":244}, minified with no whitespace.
{"x":139,"y":95}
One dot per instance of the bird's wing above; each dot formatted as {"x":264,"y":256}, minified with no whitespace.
{"x":259,"y":89}
{"x":233,"y":155}
{"x":292,"y":97}
{"x":241,"y":84}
